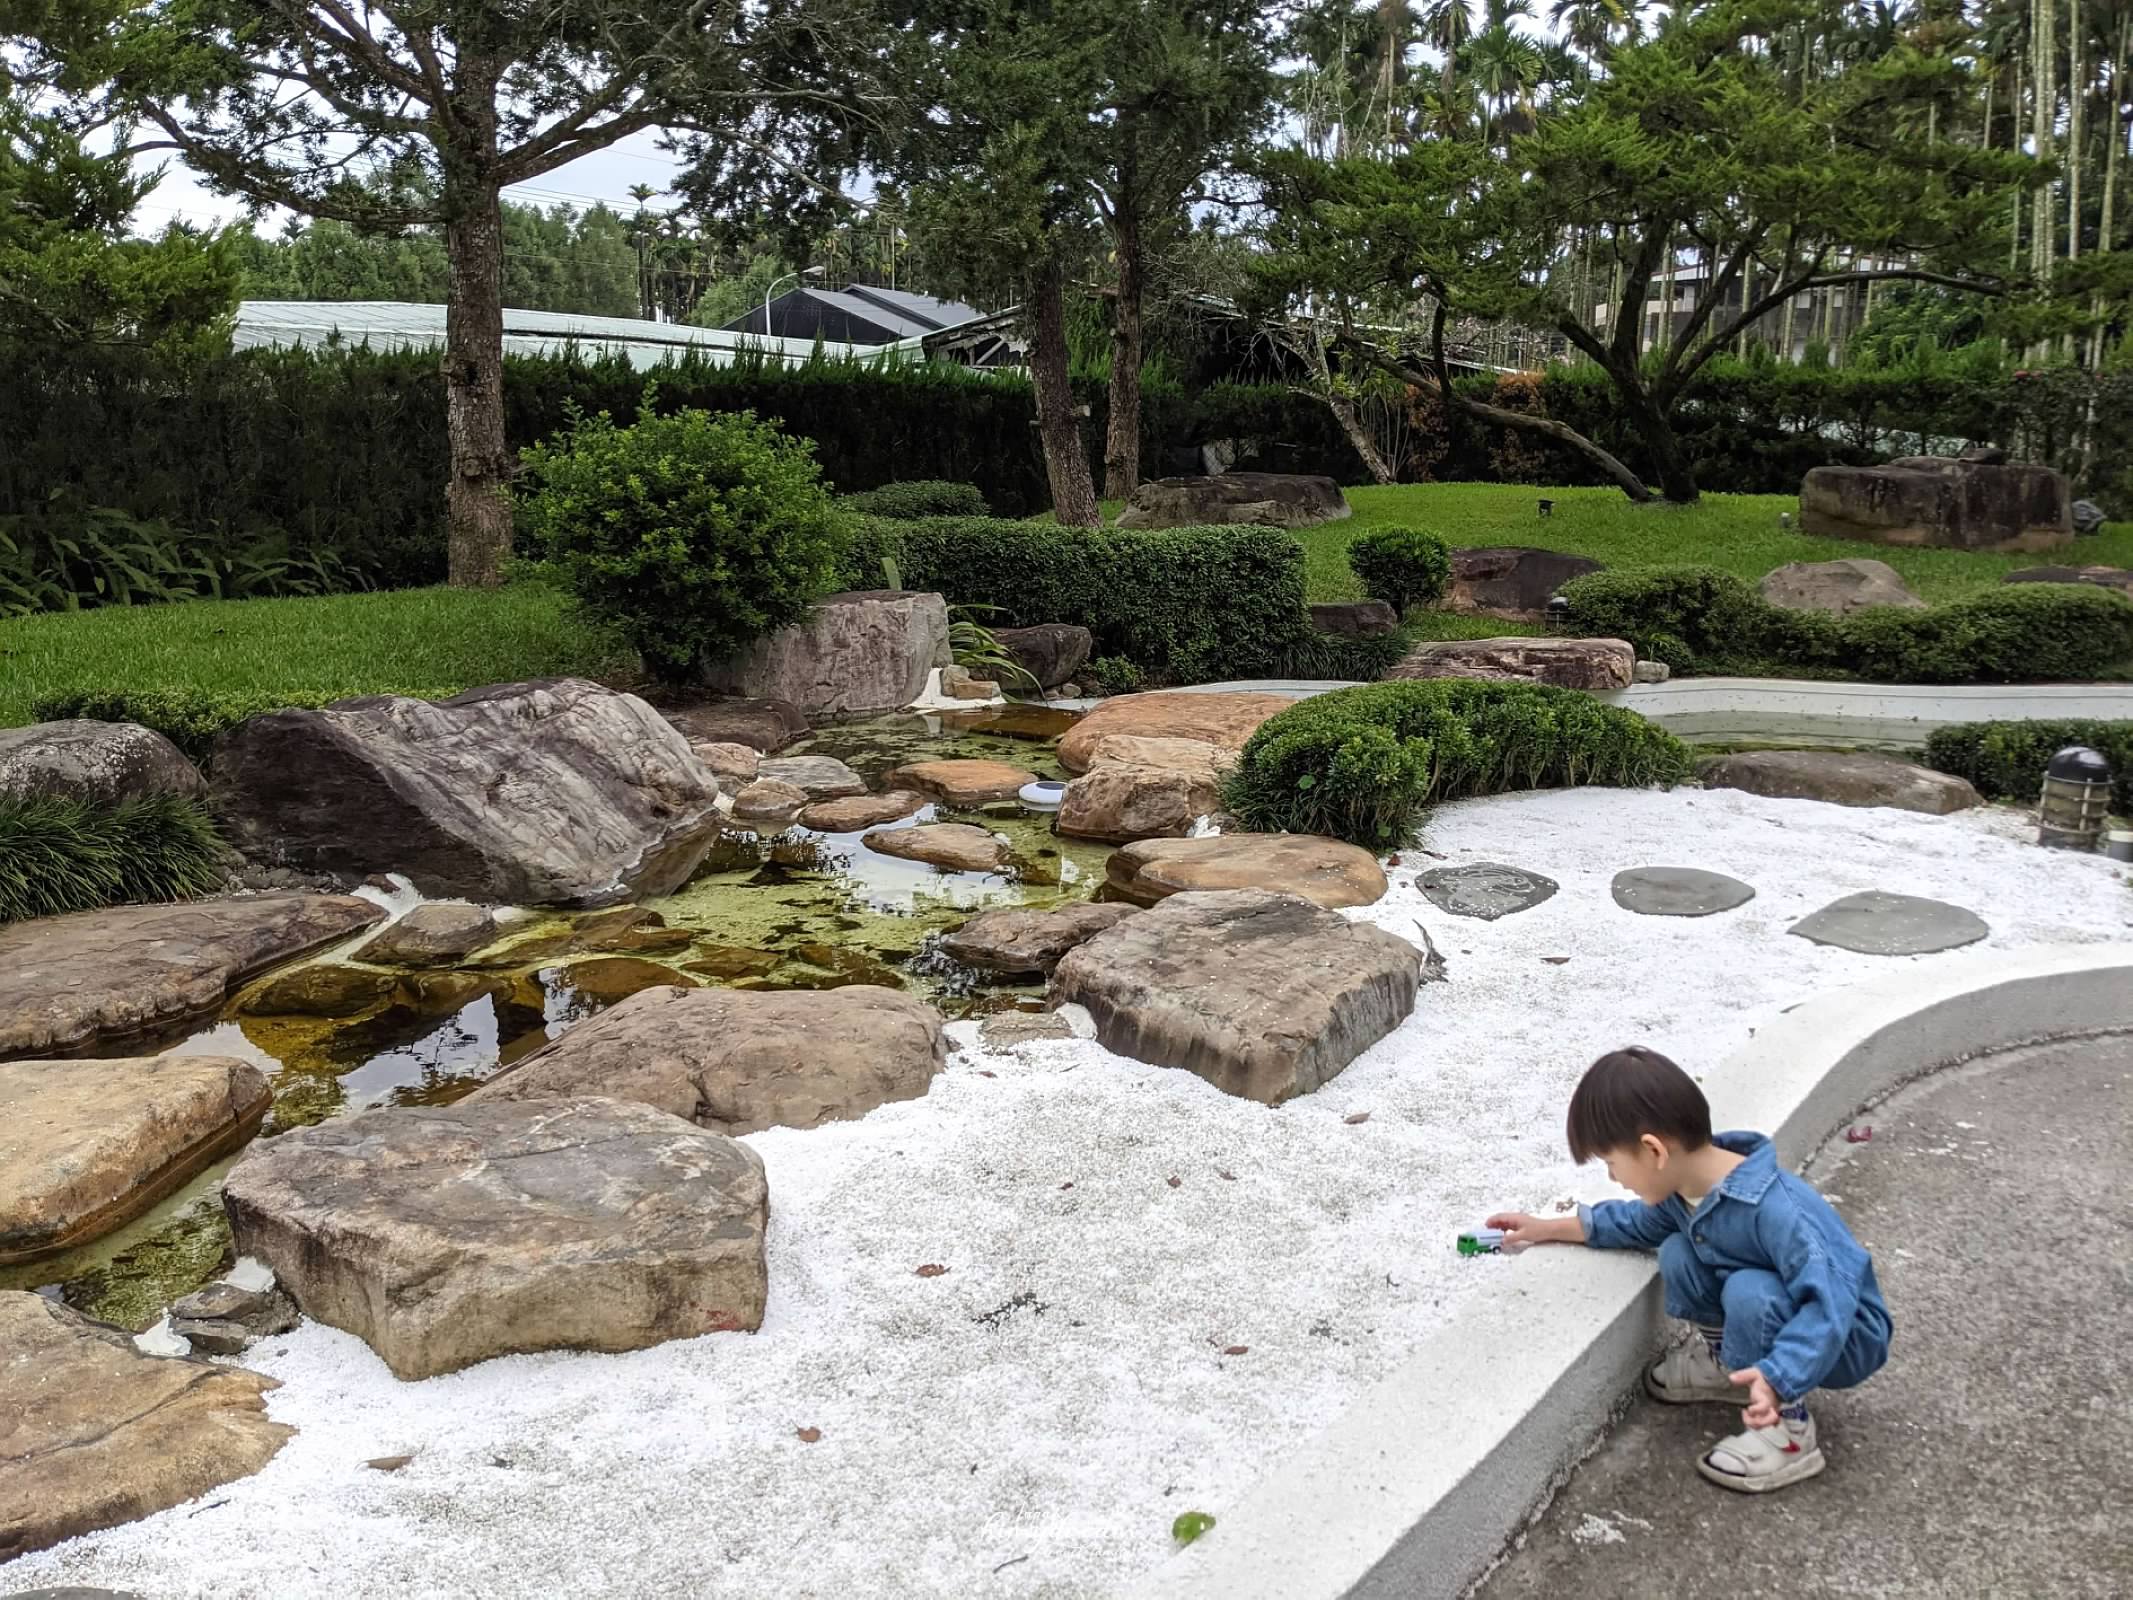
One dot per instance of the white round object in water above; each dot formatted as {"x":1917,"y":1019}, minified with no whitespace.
{"x":1043,"y":795}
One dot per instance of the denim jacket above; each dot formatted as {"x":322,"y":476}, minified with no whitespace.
{"x":1762,"y":1217}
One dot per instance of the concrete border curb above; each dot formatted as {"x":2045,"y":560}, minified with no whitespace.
{"x":1891,"y":715}
{"x":1414,"y":1490}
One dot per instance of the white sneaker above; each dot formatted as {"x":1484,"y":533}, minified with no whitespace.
{"x":1763,"y":1459}
{"x":1690,"y":1375}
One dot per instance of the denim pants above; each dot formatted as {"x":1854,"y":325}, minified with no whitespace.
{"x":1753,"y":1305}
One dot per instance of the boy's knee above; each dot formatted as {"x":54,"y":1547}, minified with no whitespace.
{"x":1752,"y":1291}
{"x":1677,"y":1260}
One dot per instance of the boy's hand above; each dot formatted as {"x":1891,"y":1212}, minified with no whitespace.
{"x":1521,"y":1230}
{"x":1762,"y":1409}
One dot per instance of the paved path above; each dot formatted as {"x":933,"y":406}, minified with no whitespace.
{"x":1993,"y":1456}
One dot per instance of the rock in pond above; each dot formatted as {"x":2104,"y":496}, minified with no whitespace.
{"x":857,"y":655}
{"x":1593,"y":664}
{"x":555,"y":792}
{"x":444,"y":1235}
{"x":960,"y":684}
{"x":735,"y":1061}
{"x":1029,"y":941}
{"x":817,"y":777}
{"x":1196,"y":757}
{"x":764,"y":726}
{"x":93,"y":1433}
{"x":1050,"y":652}
{"x":100,"y":762}
{"x":85,"y":982}
{"x":1840,"y":777}
{"x":733,"y":764}
{"x":1223,"y":720}
{"x":320,"y":989}
{"x":1513,"y":582}
{"x":963,"y":784}
{"x":769,"y":800}
{"x":861,"y":812}
{"x":1120,"y":803}
{"x":1323,"y":871}
{"x":1839,"y":587}
{"x":434,"y":934}
{"x":1264,"y":995}
{"x":88,"y":1145}
{"x":1258,"y":499}
{"x":951,"y":846}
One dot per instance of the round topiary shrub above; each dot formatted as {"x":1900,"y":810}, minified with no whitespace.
{"x":1362,"y":764}
{"x":922,"y":497}
{"x":1401,"y":566}
{"x":690,"y":534}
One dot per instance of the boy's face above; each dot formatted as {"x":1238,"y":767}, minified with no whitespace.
{"x":1641,"y":1168}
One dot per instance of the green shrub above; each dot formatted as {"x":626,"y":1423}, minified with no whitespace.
{"x":1361,"y":764}
{"x":1185,"y":605}
{"x":1402,"y":566}
{"x":193,"y":719}
{"x":925,"y":497}
{"x":1696,"y":619}
{"x":2006,"y":760}
{"x":59,"y":855}
{"x":689,"y":535}
{"x":1109,"y":675}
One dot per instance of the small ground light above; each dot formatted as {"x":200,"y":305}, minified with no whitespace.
{"x":1547,"y":508}
{"x":1784,"y":519}
{"x":1558,"y":609}
{"x":2077,"y":794}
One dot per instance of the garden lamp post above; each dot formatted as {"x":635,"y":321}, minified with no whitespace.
{"x":2077,"y":794}
{"x":804,"y":272}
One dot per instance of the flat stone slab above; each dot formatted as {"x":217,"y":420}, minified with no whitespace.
{"x":1323,"y":871}
{"x":963,"y":783}
{"x":1225,"y":720}
{"x":93,"y":1433}
{"x":1840,"y":777}
{"x":951,"y":846}
{"x":434,"y":934}
{"x":445,"y":1235}
{"x":1012,"y":1028}
{"x":1265,"y":995}
{"x":857,"y":813}
{"x":1876,"y":923}
{"x":769,"y":800}
{"x":88,"y":1145}
{"x":73,"y":984}
{"x":1484,"y":889}
{"x":1593,"y":664}
{"x":736,"y":1061}
{"x":1678,"y":892}
{"x":765,"y":726}
{"x":817,"y":777}
{"x":1029,"y":941}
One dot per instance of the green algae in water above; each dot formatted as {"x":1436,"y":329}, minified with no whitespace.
{"x":129,"y":1276}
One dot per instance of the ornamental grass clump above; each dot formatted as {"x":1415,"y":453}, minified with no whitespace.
{"x":1363,"y":764}
{"x":59,"y":855}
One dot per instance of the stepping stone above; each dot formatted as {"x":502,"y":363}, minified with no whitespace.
{"x":1840,"y":778}
{"x":734,"y":764}
{"x":99,"y":1434}
{"x":1678,"y":892}
{"x":951,"y":846}
{"x":1226,"y":720}
{"x":1029,"y":941}
{"x":1264,"y":995}
{"x":444,"y":1235}
{"x":769,"y":800}
{"x":817,"y":777}
{"x":434,"y":934}
{"x":1484,"y":889}
{"x":963,"y":783}
{"x":737,"y":1062}
{"x":1323,"y":871}
{"x":1120,"y":803}
{"x":325,"y":989}
{"x":1876,"y":923}
{"x":88,"y":1145}
{"x":79,"y":984}
{"x":860,"y":812}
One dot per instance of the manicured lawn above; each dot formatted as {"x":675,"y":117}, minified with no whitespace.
{"x":414,"y":640}
{"x":1735,"y":532}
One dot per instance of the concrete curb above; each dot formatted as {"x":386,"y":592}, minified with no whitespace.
{"x":1891,"y":715}
{"x":1414,"y":1490}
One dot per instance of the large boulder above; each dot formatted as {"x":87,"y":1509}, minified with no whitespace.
{"x":1595,"y":664}
{"x":736,"y":1061}
{"x":556,"y":792}
{"x":101,"y":762}
{"x":444,"y":1235}
{"x":1015,"y":940}
{"x":1934,"y":500}
{"x":858,"y":655}
{"x":1262,"y":499}
{"x":2119,"y":578}
{"x":1323,"y":871}
{"x":1051,"y":652}
{"x":950,"y":846}
{"x":93,"y":1433}
{"x":1119,"y":802}
{"x":962,"y":784}
{"x":88,"y":1145}
{"x":1843,"y":778}
{"x":1264,"y":995}
{"x":1223,"y":720}
{"x":1512,"y":582}
{"x":1838,"y":586}
{"x":97,"y":979}
{"x":764,"y":726}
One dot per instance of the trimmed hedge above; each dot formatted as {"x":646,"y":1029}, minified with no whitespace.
{"x":2006,"y":760}
{"x":1401,"y":566}
{"x":59,"y":855}
{"x":1362,"y":764}
{"x":193,"y":719}
{"x":1698,"y":620}
{"x":924,"y":497}
{"x":1184,"y":605}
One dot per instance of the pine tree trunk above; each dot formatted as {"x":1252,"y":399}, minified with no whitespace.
{"x":1122,"y":439}
{"x":1066,"y":463}
{"x":477,"y":506}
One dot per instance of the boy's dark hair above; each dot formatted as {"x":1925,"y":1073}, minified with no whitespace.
{"x":1628,"y":1093}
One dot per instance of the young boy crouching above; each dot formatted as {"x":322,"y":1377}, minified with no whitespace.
{"x":1781,"y":1294}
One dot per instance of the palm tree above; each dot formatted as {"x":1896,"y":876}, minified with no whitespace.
{"x":1449,"y":25}
{"x":1588,"y":26}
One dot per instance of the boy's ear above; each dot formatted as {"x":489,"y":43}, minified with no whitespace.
{"x":1655,"y":1147}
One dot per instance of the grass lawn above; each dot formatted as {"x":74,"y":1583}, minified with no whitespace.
{"x":415,"y":640}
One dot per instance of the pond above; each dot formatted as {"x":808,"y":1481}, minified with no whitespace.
{"x":795,"y":910}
